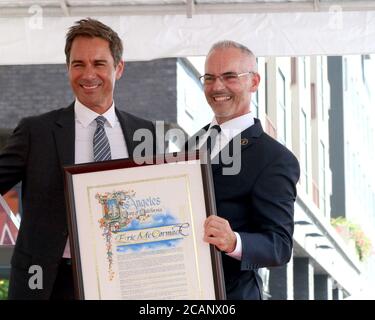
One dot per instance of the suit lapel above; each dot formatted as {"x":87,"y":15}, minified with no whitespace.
{"x":128,"y":129}
{"x":64,"y":132}
{"x":239,"y":144}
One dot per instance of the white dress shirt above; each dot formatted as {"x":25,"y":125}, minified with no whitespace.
{"x":85,"y":126}
{"x":229,"y":130}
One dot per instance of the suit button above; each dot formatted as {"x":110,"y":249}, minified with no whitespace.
{"x":65,"y":233}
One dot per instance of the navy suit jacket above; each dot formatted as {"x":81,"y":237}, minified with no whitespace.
{"x":35,"y":154}
{"x":258,"y":202}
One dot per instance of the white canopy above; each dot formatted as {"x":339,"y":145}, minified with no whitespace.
{"x":35,"y":34}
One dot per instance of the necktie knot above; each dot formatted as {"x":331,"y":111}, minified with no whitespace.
{"x":216,"y":128}
{"x":100,"y":121}
{"x":211,"y":139}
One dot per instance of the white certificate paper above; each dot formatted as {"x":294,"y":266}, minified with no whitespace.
{"x":140,"y":233}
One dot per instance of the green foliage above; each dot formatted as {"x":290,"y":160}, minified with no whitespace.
{"x":349,"y":230}
{"x":4,"y":285}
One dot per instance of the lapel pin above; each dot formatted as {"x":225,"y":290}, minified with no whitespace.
{"x":244,"y":142}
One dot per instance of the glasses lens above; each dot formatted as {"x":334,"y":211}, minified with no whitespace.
{"x":230,"y":77}
{"x":208,"y":79}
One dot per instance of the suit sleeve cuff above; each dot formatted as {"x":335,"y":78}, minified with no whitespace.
{"x":237,"y":252}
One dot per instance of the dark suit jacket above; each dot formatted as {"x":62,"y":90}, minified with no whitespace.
{"x":35,"y":154}
{"x":258,"y":202}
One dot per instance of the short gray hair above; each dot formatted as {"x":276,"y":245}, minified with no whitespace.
{"x":224,"y":44}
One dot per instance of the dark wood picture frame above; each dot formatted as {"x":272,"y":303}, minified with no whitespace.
{"x":209,"y":199}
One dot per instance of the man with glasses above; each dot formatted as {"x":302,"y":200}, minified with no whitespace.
{"x":255,"y":206}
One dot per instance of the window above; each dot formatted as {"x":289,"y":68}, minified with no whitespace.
{"x":322,"y":178}
{"x":345,"y":72}
{"x":266,"y":87}
{"x":313,"y":100}
{"x":293,"y":70}
{"x":281,"y":108}
{"x":322,"y":89}
{"x":255,"y":104}
{"x":304,"y":162}
{"x":304,"y":72}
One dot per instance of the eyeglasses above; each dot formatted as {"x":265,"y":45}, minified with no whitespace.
{"x":226,"y":78}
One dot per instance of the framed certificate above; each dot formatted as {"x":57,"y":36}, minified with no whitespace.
{"x":136,"y":230}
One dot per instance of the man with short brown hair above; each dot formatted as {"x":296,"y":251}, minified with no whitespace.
{"x":90,"y":129}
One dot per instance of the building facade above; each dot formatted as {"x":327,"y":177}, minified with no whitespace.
{"x":352,"y":135}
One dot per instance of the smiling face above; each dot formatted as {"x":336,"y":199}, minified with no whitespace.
{"x":92,"y":73}
{"x":232,"y":100}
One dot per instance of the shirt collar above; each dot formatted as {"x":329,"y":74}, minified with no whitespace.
{"x":86,"y":116}
{"x":233,"y":127}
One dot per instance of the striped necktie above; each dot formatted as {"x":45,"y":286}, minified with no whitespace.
{"x":102,"y":150}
